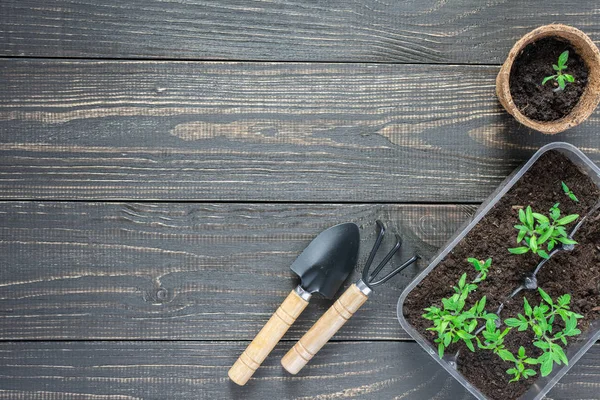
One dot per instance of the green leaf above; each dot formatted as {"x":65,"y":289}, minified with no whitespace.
{"x":472,"y":326}
{"x":568,"y":219}
{"x":521,"y":352}
{"x":569,"y":78}
{"x":573,"y":197}
{"x":529,"y":216}
{"x":562,"y":59}
{"x":564,"y":300}
{"x":551,"y":245}
{"x":561,"y":81}
{"x":562,"y":339}
{"x":522,"y":318}
{"x":541,"y":218}
{"x":444,"y":325}
{"x":565,"y":188}
{"x":515,"y":323}
{"x":545,"y":296}
{"x":528,"y":373}
{"x":490,"y":317}
{"x":546,"y":79}
{"x":462,"y":281}
{"x":506,"y":355}
{"x":464,"y":335}
{"x":519,"y":250}
{"x":546,"y":235}
{"x":533,"y":244}
{"x":447,"y":339}
{"x":570,"y":324}
{"x":441,"y":349}
{"x":561,"y":354}
{"x":481,"y":304}
{"x":544,"y":357}
{"x":555,"y":67}
{"x":543,"y":254}
{"x":542,"y":345}
{"x":469,"y":344}
{"x":522,"y":216}
{"x":546,"y":367}
{"x":531,"y":361}
{"x":511,"y":371}
{"x":565,"y":240}
{"x":521,"y":235}
{"x":556,"y":358}
{"x":574,"y":332}
{"x":527,"y":307}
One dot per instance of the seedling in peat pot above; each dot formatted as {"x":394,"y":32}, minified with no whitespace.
{"x":453,"y":323}
{"x":541,"y":320}
{"x":569,"y":192}
{"x":560,"y":77}
{"x":538,"y":230}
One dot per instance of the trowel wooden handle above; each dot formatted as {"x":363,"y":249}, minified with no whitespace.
{"x":323,"y":329}
{"x":267,"y":338}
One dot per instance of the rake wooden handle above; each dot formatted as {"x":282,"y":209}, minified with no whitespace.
{"x":267,"y":338}
{"x":320,"y":333}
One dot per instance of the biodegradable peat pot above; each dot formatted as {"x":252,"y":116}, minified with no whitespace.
{"x":585,"y":48}
{"x":488,"y":234}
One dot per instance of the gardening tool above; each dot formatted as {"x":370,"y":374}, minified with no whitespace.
{"x":322,"y":267}
{"x":341,"y":311}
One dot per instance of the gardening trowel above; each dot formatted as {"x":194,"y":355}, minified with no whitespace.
{"x":322,"y":267}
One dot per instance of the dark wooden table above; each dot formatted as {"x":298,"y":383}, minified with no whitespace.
{"x":163,"y":162}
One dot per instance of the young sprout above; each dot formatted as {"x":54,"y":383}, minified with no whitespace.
{"x":569,"y":192}
{"x":560,"y":77}
{"x":482,"y":267}
{"x":538,"y":230}
{"x":519,"y":369}
{"x":541,"y":320}
{"x":453,"y":323}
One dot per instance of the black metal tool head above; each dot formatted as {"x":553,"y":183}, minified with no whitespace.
{"x":369,"y":277}
{"x":328,"y":260}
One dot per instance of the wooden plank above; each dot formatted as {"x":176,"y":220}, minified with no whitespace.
{"x":187,"y":271}
{"x":185,"y":370}
{"x":460,"y":31}
{"x":258,"y":132}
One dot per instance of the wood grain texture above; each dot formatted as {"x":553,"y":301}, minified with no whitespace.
{"x":460,"y":31}
{"x":76,"y":270}
{"x":186,"y":370}
{"x":324,"y":329}
{"x":268,"y":337}
{"x":258,"y":132}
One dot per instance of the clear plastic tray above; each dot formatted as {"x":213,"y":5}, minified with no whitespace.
{"x":577,"y":348}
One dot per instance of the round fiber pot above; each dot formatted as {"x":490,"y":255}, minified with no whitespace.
{"x":588,"y":101}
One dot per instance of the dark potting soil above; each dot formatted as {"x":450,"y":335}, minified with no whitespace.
{"x":542,"y":102}
{"x":576,"y":272}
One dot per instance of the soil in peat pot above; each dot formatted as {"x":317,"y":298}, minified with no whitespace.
{"x":541,"y":102}
{"x":576,"y":272}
